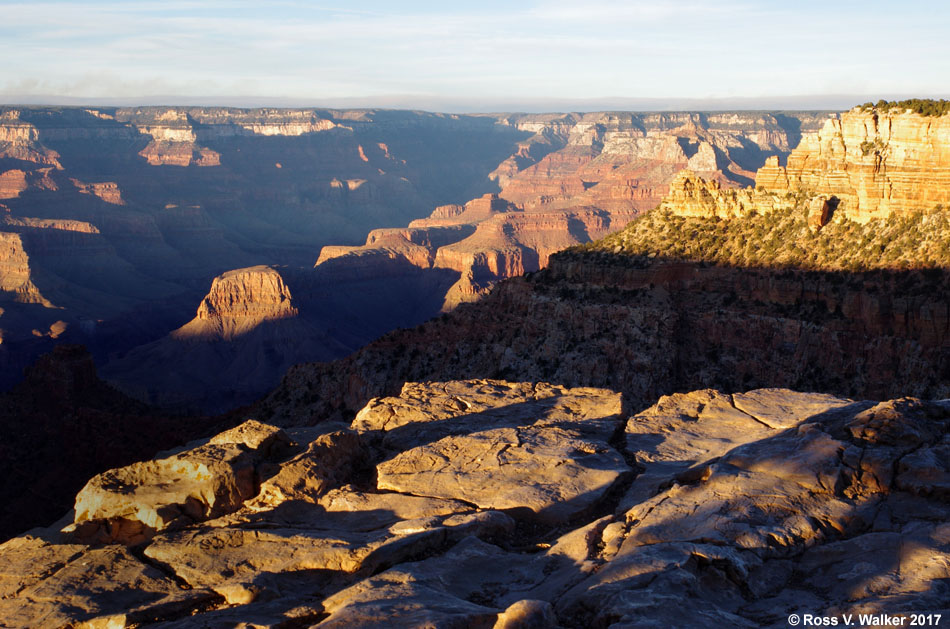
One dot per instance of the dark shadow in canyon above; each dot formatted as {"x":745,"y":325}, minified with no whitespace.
{"x":209,"y":371}
{"x":793,"y":127}
{"x":269,"y":200}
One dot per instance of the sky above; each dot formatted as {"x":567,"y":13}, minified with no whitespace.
{"x":474,"y":56}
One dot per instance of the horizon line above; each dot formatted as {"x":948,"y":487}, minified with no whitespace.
{"x":436,"y":104}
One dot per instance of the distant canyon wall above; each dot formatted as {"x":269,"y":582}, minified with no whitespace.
{"x":577,"y":178}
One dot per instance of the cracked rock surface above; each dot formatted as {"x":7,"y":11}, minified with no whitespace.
{"x":485,"y":503}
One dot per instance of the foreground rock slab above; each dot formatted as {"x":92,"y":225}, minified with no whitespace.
{"x":494,"y":504}
{"x":100,"y":587}
{"x":129,"y":504}
{"x":544,"y":456}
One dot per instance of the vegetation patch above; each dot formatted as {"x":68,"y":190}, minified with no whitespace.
{"x":922,"y":106}
{"x":782,"y":238}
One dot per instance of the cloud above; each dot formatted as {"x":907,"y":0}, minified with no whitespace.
{"x":545,"y":49}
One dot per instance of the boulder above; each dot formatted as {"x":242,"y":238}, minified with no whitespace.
{"x":129,"y":504}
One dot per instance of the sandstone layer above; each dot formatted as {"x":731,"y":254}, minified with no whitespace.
{"x":876,"y":163}
{"x":705,"y":508}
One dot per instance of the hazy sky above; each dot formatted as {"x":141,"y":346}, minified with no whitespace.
{"x":484,"y":53}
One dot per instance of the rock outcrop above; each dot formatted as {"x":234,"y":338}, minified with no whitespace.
{"x":130,"y":504}
{"x":12,"y":183}
{"x":16,"y":275}
{"x":876,"y":163}
{"x":239,"y":301}
{"x":692,"y":195}
{"x":706,"y":507}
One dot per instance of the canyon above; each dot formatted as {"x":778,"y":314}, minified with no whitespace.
{"x":116,"y":221}
{"x":120,"y":222}
{"x":732,"y":409}
{"x":722,"y":288}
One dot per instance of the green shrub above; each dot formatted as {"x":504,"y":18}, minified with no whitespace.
{"x":922,"y":106}
{"x":783,"y":239}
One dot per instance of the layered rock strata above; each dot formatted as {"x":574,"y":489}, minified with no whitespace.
{"x":576,"y":179}
{"x":706,"y":507}
{"x":876,"y":163}
{"x":651,"y":326}
{"x":239,"y":301}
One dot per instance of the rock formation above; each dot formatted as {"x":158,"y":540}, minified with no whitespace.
{"x":239,"y":301}
{"x":692,"y":195}
{"x":12,"y":183}
{"x":246,"y":331}
{"x":508,"y":504}
{"x":877,"y":164}
{"x":486,"y":240}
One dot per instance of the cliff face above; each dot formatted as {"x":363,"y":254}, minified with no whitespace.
{"x":648,"y":327}
{"x":16,"y":281}
{"x":244,"y":297}
{"x":877,"y":164}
